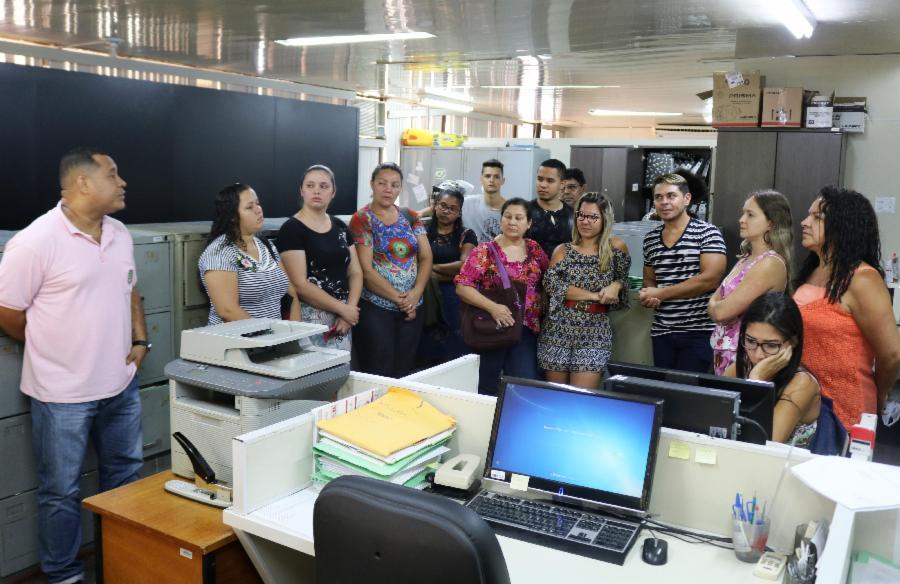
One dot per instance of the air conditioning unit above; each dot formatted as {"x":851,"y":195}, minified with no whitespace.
{"x":673,"y":131}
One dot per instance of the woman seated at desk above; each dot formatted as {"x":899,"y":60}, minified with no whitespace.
{"x":770,"y":347}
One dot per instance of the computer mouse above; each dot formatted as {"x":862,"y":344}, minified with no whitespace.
{"x":655,"y":551}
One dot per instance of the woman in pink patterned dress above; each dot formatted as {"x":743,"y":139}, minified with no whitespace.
{"x":525,"y":262}
{"x":764,"y":266}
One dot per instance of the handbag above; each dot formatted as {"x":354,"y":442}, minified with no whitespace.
{"x":479,"y":329}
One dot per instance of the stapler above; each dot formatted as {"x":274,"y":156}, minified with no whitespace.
{"x":205,"y":488}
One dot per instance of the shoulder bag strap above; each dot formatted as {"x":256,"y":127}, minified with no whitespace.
{"x":501,"y":269}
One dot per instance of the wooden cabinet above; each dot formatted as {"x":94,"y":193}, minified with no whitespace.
{"x":797,"y":163}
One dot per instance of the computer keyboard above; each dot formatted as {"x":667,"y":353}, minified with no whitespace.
{"x":579,"y":532}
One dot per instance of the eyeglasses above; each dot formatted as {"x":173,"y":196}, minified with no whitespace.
{"x":448,"y":208}
{"x":585,"y":217}
{"x":572,"y":187}
{"x":768,"y":347}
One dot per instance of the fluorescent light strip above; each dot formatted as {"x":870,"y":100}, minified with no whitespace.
{"x":353,"y":38}
{"x":533,"y":87}
{"x":628,"y":113}
{"x":447,"y":105}
{"x":796,"y":17}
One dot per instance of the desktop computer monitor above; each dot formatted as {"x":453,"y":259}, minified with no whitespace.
{"x":687,"y":407}
{"x":757,"y":397}
{"x":574,"y":444}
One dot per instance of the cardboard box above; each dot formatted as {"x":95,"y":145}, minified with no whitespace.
{"x":819,"y":111}
{"x":736,"y":104}
{"x":782,"y":107}
{"x":850,"y":114}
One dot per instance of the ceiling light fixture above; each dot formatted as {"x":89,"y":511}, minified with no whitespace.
{"x":353,"y":38}
{"x":796,"y":17}
{"x":447,"y":104}
{"x":536,"y":87}
{"x":628,"y":113}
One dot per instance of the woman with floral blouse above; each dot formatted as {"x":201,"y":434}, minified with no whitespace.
{"x":525,"y":262}
{"x":242,"y":274}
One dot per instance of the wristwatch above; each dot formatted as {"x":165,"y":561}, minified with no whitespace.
{"x":147,"y":344}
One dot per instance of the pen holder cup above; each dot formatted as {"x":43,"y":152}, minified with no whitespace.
{"x":749,"y":539}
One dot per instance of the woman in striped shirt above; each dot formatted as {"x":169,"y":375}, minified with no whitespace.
{"x":242,"y":273}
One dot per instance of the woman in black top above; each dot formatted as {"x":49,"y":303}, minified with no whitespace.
{"x":321,"y":261}
{"x":451,"y":244}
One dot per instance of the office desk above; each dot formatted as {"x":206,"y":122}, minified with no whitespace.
{"x":150,"y":535}
{"x":288,"y":523}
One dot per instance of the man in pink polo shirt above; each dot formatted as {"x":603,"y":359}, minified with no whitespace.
{"x":67,"y":290}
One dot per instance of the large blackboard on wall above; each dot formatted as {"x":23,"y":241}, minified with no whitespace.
{"x":175,"y":146}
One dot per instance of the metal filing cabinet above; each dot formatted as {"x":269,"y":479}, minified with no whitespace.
{"x":155,"y":419}
{"x":12,"y":401}
{"x":19,"y":526}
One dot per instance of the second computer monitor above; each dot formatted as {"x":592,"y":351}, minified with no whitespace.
{"x":757,"y":397}
{"x":712,"y":412}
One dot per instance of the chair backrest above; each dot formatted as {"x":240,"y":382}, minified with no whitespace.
{"x":372,"y":531}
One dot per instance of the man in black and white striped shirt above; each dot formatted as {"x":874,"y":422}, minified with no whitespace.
{"x":684,"y":261}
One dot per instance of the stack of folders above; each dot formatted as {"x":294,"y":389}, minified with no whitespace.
{"x":398,"y":437}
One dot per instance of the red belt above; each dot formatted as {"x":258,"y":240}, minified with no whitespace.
{"x":590,"y":306}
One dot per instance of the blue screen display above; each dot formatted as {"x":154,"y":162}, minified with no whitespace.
{"x":575,"y":438}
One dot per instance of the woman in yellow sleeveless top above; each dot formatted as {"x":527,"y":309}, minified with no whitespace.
{"x":852,"y":344}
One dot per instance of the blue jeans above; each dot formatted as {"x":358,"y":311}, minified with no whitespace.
{"x":520,"y":360}
{"x":687,"y":351}
{"x":59,"y":437}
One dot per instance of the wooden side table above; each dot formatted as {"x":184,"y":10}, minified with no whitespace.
{"x":147,"y":534}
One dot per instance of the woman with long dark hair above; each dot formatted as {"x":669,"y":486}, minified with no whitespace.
{"x":587,"y":278}
{"x":451,"y":244}
{"x":242,"y":273}
{"x":764,"y":266}
{"x":770,"y":347}
{"x":853,"y":346}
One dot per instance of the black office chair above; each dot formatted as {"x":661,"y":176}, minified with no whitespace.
{"x":372,"y":531}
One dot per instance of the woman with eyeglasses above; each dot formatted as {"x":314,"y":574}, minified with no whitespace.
{"x":395,"y":258}
{"x":525,"y":262}
{"x":770,"y":348}
{"x":242,"y":273}
{"x":853,"y":346}
{"x":766,"y":228}
{"x":321,"y":261}
{"x":587,"y":278}
{"x":451,"y":244}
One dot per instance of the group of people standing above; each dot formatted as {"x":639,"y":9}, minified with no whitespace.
{"x":824,"y":335}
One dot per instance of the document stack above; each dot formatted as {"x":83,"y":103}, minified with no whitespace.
{"x":398,"y":437}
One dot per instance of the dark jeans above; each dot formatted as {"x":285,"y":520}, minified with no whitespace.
{"x":689,"y":351}
{"x":59,"y":436}
{"x":384,"y":342}
{"x":517,"y":361}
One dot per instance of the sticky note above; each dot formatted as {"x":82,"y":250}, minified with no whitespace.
{"x":518,"y":482}
{"x":705,"y":456}
{"x":679,"y":450}
{"x":419,"y":193}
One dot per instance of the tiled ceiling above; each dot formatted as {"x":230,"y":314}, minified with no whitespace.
{"x":659,"y":53}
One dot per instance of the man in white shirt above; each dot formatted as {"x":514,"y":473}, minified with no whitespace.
{"x":481,"y":213}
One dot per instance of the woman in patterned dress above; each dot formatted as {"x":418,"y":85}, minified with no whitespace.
{"x":395,"y":258}
{"x":587,"y":278}
{"x":321,"y":262}
{"x":242,"y":274}
{"x":770,"y":348}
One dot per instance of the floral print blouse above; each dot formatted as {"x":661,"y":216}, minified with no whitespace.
{"x":480,"y":271}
